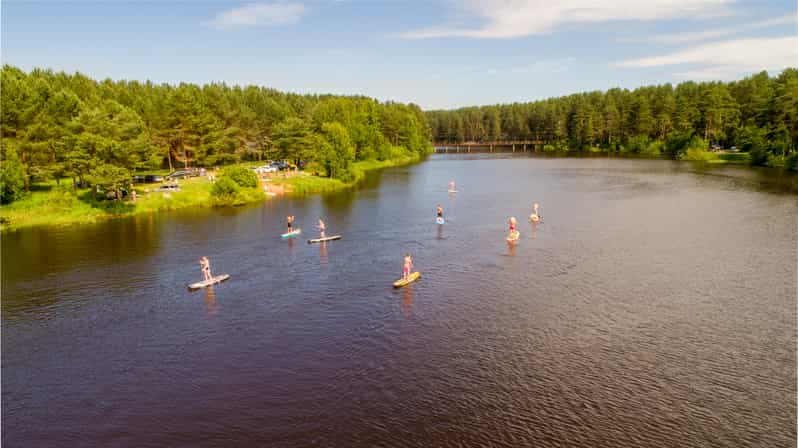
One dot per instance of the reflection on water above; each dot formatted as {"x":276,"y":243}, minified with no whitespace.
{"x":511,"y":248}
{"x":655,"y":307}
{"x":323,"y":253}
{"x":210,"y":301}
{"x":407,"y":301}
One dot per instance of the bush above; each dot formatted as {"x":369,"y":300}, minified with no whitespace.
{"x":236,"y":186}
{"x":791,"y":162}
{"x":636,"y":144}
{"x":242,"y":176}
{"x":698,"y":155}
{"x":337,"y":152}
{"x":12,"y":176}
{"x":676,"y":143}
{"x":225,"y":186}
{"x":697,"y":150}
{"x":759,"y":156}
{"x":654,"y":148}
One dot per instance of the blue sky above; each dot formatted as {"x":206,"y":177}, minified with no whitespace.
{"x":438,"y":54}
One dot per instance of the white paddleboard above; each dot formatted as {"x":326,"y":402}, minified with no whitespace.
{"x":439,"y":220}
{"x":206,"y":283}
{"x":322,"y":240}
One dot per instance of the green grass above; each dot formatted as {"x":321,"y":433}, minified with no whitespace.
{"x":57,"y":205}
{"x":307,"y":184}
{"x":63,"y":205}
{"x":742,"y":158}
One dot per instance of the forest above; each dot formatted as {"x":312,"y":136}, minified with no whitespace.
{"x":59,"y":126}
{"x":758,"y":115}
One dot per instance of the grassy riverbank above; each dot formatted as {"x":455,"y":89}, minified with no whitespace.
{"x":305,"y":184}
{"x":53,"y":205}
{"x":61,"y":205}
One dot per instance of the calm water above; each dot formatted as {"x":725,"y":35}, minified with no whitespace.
{"x":656,"y":306}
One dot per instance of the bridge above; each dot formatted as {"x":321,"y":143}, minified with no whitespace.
{"x":494,"y":146}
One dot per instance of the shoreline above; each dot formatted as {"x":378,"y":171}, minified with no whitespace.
{"x":63,"y":206}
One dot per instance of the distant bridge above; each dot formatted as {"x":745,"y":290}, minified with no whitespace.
{"x":495,"y":146}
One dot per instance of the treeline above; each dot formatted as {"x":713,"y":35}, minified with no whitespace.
{"x":758,"y":114}
{"x":57,"y":125}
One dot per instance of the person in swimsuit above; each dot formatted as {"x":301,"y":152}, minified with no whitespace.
{"x":289,"y":221}
{"x":321,"y":228}
{"x":513,"y":227}
{"x":205,"y":265}
{"x":451,"y":186}
{"x":408,"y":266}
{"x":535,"y":216}
{"x":439,"y":211}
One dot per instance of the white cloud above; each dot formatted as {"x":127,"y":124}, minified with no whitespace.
{"x":727,"y":59}
{"x":256,"y":14}
{"x":682,"y":38}
{"x":518,"y":18}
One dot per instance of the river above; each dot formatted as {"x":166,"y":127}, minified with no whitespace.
{"x":654,"y":306}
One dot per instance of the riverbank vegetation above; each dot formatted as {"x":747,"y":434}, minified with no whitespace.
{"x":68,"y":128}
{"x":758,"y":115}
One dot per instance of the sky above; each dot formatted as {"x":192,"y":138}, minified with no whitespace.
{"x":439,"y":54}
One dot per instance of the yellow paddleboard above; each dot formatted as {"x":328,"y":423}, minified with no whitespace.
{"x":410,"y":279}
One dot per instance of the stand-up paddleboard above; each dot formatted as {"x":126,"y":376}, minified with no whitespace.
{"x":206,"y":283}
{"x":439,"y":220}
{"x":291,"y":234}
{"x":410,"y":279}
{"x":514,"y":235}
{"x":327,"y":238}
{"x":452,"y":191}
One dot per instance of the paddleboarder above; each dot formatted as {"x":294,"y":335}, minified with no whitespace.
{"x":451,"y":186}
{"x":535,"y":216}
{"x":408,"y":266}
{"x":513,"y":229}
{"x":321,"y":228}
{"x":205,"y":265}
{"x":439,"y":211}
{"x":289,"y":221}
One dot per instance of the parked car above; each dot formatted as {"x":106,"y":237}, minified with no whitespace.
{"x":733,"y":149}
{"x":181,"y":174}
{"x":168,"y":187}
{"x":153,"y":179}
{"x":280,"y":165}
{"x":265,"y":169}
{"x":138,"y":179}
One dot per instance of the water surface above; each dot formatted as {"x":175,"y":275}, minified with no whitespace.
{"x":655,"y":306}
